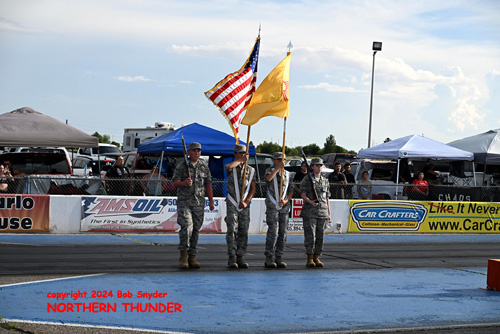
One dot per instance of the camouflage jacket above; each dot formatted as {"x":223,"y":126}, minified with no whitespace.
{"x":323,"y":190}
{"x":200,"y":174}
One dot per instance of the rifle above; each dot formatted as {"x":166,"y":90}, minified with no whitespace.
{"x":185,"y":156}
{"x":311,"y":177}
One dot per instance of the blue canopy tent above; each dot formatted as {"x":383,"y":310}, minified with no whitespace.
{"x":213,"y":142}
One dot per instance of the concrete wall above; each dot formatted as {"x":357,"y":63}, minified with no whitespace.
{"x":65,"y":215}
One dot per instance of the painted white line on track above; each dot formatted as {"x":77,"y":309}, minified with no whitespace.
{"x":93,"y":326}
{"x":50,"y":280}
{"x":17,"y":244}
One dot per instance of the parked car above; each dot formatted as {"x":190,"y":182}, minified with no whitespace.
{"x":92,"y":165}
{"x":330,"y":159}
{"x":39,"y":161}
{"x":37,"y":149}
{"x":104,"y":150}
{"x":42,"y":162}
{"x":380,"y":173}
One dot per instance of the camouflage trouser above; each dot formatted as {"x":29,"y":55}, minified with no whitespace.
{"x":237,"y":230}
{"x":190,"y":219}
{"x":277,"y":221}
{"x":314,"y":230}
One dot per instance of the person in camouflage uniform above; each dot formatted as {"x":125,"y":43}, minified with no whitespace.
{"x":238,"y":211}
{"x":315,"y":214}
{"x":277,"y":211}
{"x":191,"y":203}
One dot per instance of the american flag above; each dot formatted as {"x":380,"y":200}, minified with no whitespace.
{"x":233,"y":93}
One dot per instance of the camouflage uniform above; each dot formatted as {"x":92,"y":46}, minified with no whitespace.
{"x":237,"y":222}
{"x":315,"y":218}
{"x":277,"y":220}
{"x":191,"y":203}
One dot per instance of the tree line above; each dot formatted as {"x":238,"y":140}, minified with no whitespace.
{"x":330,"y":146}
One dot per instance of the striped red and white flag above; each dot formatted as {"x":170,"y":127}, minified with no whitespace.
{"x":233,"y":93}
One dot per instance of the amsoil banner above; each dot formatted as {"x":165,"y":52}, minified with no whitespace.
{"x":424,"y":217}
{"x":24,"y":213}
{"x":129,"y":214}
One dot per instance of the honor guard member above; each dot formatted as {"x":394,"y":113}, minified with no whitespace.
{"x":238,"y":209}
{"x":191,"y":203}
{"x":277,"y":211}
{"x":315,"y":214}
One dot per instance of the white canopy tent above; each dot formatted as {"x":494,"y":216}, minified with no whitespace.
{"x":417,"y":148}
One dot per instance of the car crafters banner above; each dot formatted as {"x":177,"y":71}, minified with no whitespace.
{"x":424,"y":217}
{"x":24,"y":213}
{"x":129,"y":214}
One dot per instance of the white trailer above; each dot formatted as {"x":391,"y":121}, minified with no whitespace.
{"x":132,"y":137}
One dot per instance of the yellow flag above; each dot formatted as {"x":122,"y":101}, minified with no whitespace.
{"x":271,"y":98}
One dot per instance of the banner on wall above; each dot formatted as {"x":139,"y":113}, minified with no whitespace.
{"x":24,"y":213}
{"x":129,"y":214}
{"x":461,"y":194}
{"x":424,"y":217}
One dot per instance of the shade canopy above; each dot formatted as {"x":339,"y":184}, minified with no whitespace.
{"x":213,"y":142}
{"x":415,"y":147}
{"x":485,"y":146}
{"x":30,"y":128}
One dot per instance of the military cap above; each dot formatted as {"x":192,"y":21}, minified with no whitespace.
{"x":316,"y":161}
{"x":238,"y":148}
{"x":194,"y":145}
{"x":278,"y":156}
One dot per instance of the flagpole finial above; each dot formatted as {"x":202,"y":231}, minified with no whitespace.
{"x":289,"y":46}
{"x":259,"y":28}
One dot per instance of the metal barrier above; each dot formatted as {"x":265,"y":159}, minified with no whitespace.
{"x":71,"y":185}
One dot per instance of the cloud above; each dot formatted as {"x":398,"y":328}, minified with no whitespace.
{"x":13,"y":26}
{"x":132,"y":79}
{"x":332,"y":88}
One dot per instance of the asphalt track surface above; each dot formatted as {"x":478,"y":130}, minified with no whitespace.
{"x":370,"y":284}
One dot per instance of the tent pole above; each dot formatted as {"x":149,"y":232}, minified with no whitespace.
{"x":397,"y":178}
{"x":474,"y":173}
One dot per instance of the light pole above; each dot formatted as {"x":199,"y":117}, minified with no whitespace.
{"x":377,"y":46}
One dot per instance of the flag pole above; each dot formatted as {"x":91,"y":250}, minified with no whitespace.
{"x":245,"y":167}
{"x":283,"y":158}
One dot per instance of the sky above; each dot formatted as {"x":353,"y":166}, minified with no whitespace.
{"x":106,"y":65}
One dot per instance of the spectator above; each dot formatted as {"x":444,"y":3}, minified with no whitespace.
{"x":430,"y":174}
{"x":297,"y":179}
{"x":4,"y":179}
{"x":349,"y":179}
{"x":118,"y":173}
{"x":154,"y":184}
{"x":420,"y":188}
{"x":365,"y":186}
{"x":336,"y":180}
